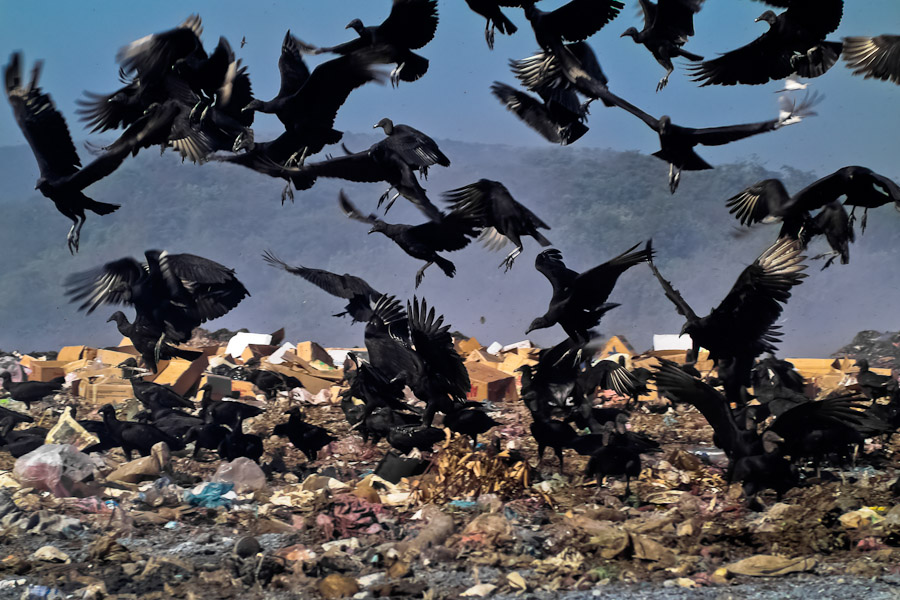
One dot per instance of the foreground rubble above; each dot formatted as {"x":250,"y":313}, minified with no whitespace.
{"x":477,"y":523}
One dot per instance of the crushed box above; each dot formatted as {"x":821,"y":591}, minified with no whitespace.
{"x":490,"y":384}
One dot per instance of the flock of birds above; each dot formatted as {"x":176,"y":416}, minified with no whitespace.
{"x":176,"y":95}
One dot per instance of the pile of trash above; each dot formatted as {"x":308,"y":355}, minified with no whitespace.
{"x":881,"y":349}
{"x":485,"y":521}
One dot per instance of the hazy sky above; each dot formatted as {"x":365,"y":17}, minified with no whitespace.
{"x":857,"y":122}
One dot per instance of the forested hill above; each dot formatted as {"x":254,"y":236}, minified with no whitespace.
{"x":598,"y":203}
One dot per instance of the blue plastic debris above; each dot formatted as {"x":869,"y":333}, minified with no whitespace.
{"x":211,"y":496}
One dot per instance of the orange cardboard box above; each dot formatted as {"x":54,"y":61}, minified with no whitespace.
{"x":45,"y":370}
{"x":311,"y":351}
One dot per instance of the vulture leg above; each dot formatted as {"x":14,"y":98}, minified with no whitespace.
{"x":286,"y":193}
{"x":420,"y":274}
{"x":862,"y":223}
{"x":384,"y":197}
{"x":489,"y":34}
{"x":391,"y":203}
{"x":510,"y":258}
{"x":157,"y":350}
{"x":74,"y":235}
{"x":674,"y":177}
{"x":664,"y":81}
{"x":395,"y":75}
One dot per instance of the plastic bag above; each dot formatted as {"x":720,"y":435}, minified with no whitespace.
{"x":210,"y":495}
{"x":245,"y":474}
{"x":60,"y":469}
{"x":68,"y":431}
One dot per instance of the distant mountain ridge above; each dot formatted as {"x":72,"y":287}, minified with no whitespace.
{"x":598,"y":203}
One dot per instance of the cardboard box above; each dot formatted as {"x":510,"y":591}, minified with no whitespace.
{"x":490,"y":384}
{"x":512,"y":361}
{"x":181,"y":374}
{"x":311,"y":351}
{"x":617,"y":344}
{"x":70,"y":353}
{"x":481,"y":355}
{"x":107,"y":391}
{"x":294,"y":361}
{"x":466,"y":347}
{"x":312,"y":383}
{"x":45,"y":370}
{"x":114,"y":357}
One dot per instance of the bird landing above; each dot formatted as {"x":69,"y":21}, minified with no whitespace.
{"x":790,"y":112}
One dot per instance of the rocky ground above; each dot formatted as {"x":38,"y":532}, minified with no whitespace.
{"x":475,"y":525}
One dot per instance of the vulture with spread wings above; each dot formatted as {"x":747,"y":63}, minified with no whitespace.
{"x":677,"y":143}
{"x":62,"y":177}
{"x":579,"y":299}
{"x":453,"y":232}
{"x":360,"y":294}
{"x":171,"y":293}
{"x":877,"y":56}
{"x":743,"y":325}
{"x":794,"y":43}
{"x":502,"y":218}
{"x":410,"y":26}
{"x":667,"y":26}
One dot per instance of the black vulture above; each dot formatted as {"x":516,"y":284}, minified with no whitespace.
{"x":743,"y":325}
{"x":16,"y":416}
{"x":360,"y":294}
{"x":607,"y":374}
{"x":208,"y":435}
{"x":62,"y":178}
{"x":802,"y":431}
{"x":490,"y":10}
{"x":380,"y":162}
{"x":307,"y":103}
{"x":144,"y":336}
{"x":454,"y":231}
{"x":380,"y":421}
{"x":410,"y":25}
{"x":618,"y":453}
{"x":574,"y":21}
{"x":667,"y":26}
{"x":422,"y":437}
{"x":552,"y":385}
{"x":553,"y":121}
{"x":877,"y":56}
{"x":149,"y":393}
{"x":794,"y":43}
{"x":306,"y":437}
{"x":414,"y":147}
{"x":769,"y":199}
{"x":579,"y":299}
{"x":503,"y":218}
{"x":136,"y":436}
{"x":550,"y":433}
{"x":236,"y":444}
{"x":873,"y":385}
{"x":173,"y":293}
{"x":28,"y":392}
{"x":19,"y":443}
{"x":677,"y":142}
{"x":559,"y":116}
{"x":415,"y":347}
{"x":470,"y":421}
{"x":230,"y":413}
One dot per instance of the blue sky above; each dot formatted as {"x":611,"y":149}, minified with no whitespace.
{"x":857,"y":122}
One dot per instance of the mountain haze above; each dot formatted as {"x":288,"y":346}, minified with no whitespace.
{"x":598,"y":203}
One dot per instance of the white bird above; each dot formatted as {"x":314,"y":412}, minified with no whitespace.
{"x":792,"y":84}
